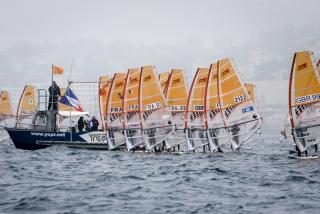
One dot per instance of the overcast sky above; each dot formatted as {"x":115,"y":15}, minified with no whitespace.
{"x":110,"y":36}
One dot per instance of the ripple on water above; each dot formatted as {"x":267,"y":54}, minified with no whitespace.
{"x":64,"y":180}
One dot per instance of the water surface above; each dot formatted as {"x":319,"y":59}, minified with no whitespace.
{"x":259,"y":179}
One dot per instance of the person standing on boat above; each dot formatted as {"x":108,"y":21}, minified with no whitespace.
{"x":80,"y":124}
{"x":94,"y":124}
{"x":54,"y":93}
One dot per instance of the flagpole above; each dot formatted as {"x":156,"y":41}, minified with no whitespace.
{"x":52,"y":116}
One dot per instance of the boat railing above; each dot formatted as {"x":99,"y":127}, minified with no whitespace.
{"x":42,"y":99}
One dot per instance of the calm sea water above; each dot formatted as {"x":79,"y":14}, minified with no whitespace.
{"x":260,"y":179}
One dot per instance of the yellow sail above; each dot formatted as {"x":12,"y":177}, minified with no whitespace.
{"x":114,"y":111}
{"x":156,"y":120}
{"x":213,"y":118}
{"x":163,"y":78}
{"x":27,"y":106}
{"x":131,"y":113}
{"x":304,"y":100}
{"x":196,"y":133}
{"x":251,"y":88}
{"x":5,"y":104}
{"x":177,"y":98}
{"x":104,"y":87}
{"x":131,"y":99}
{"x":195,"y":117}
{"x":238,"y":111}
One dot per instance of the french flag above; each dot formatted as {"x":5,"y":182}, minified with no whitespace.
{"x":70,"y":99}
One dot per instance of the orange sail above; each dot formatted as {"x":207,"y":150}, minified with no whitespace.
{"x":156,"y":120}
{"x":304,"y":100}
{"x":177,"y":97}
{"x":163,"y":78}
{"x":213,"y":118}
{"x":104,"y":87}
{"x":27,"y":107}
{"x":114,"y":111}
{"x":131,"y":113}
{"x":251,"y":88}
{"x":196,"y":132}
{"x":5,"y":104}
{"x":240,"y":116}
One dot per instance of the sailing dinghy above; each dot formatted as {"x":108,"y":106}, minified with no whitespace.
{"x":5,"y":104}
{"x":304,"y":101}
{"x":104,"y":87}
{"x":131,"y":110}
{"x":176,"y":94}
{"x":217,"y":135}
{"x":156,"y":120}
{"x":27,"y":107}
{"x":6,"y":114}
{"x":115,"y":134}
{"x":240,"y":116}
{"x":196,"y":131}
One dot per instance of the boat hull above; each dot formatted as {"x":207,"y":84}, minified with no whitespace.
{"x":34,"y":139}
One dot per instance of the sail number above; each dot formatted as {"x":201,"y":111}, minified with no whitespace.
{"x":240,"y":98}
{"x":177,"y":108}
{"x":153,"y":106}
{"x":308,"y":98}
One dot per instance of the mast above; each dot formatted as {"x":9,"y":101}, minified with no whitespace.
{"x":290,"y":92}
{"x":189,"y":96}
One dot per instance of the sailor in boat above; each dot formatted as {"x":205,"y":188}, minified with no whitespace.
{"x":301,"y":133}
{"x":214,"y":133}
{"x":235,"y":133}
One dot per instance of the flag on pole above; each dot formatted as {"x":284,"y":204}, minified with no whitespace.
{"x":57,"y":70}
{"x":70,"y":99}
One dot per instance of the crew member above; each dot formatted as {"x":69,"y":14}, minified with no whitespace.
{"x":54,"y":92}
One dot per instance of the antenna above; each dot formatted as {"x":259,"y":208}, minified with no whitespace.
{"x":71,"y":69}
